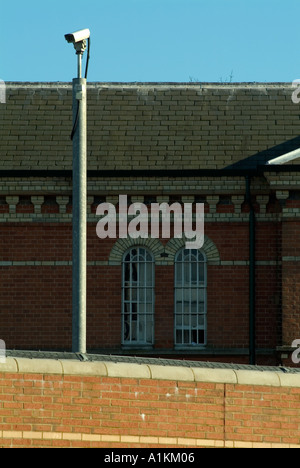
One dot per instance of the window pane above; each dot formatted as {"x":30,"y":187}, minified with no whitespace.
{"x":201,"y":321}
{"x":134,"y":294}
{"x":186,"y":273}
{"x":194,"y":321}
{"x":194,"y":269}
{"x":179,"y":321}
{"x":202,"y":273}
{"x":178,"y":276}
{"x":179,"y":336}
{"x":186,"y":337}
{"x":149,"y":296}
{"x":127,"y":258}
{"x":178,"y":295}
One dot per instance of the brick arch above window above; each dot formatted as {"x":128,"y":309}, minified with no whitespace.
{"x":122,"y":245}
{"x":209,"y":248}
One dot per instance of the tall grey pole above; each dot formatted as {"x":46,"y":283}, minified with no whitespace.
{"x":79,"y":216}
{"x":79,"y":136}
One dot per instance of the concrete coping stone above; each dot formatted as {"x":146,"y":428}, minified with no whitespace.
{"x":184,"y":374}
{"x":122,"y":369}
{"x":149,"y":371}
{"x":258,"y":378}
{"x":215,"y":375}
{"x":37,"y":366}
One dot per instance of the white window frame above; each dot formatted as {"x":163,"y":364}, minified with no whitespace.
{"x":190,"y":299}
{"x":138,"y":297}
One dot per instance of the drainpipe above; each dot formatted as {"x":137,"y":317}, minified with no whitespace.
{"x":252,"y":327}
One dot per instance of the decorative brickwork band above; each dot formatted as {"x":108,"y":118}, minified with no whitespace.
{"x":159,"y":252}
{"x":120,"y":247}
{"x":209,"y":248}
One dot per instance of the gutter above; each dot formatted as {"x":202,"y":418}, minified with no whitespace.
{"x":285,"y":158}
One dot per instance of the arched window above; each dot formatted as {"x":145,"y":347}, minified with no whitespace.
{"x":138,"y":298}
{"x":190,"y":298}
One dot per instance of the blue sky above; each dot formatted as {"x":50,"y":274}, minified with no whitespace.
{"x":153,"y":40}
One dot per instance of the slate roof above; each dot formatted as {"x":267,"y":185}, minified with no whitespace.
{"x":150,"y":125}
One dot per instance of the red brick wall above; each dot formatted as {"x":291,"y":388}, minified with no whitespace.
{"x":36,"y":304}
{"x":42,"y":409}
{"x":35,"y":301}
{"x":260,"y":413}
{"x":290,"y":281}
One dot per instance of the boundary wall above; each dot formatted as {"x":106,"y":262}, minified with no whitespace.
{"x":67,"y":403}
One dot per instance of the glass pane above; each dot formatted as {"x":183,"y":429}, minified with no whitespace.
{"x":127,"y":258}
{"x":148,"y":280}
{"x":194,"y":256}
{"x":180,"y":256}
{"x":200,"y":256}
{"x":194,"y":321}
{"x":201,"y":295}
{"x":127,"y":272}
{"x":178,"y":278}
{"x":126,"y":329}
{"x":194,"y":269}
{"x":178,"y":295}
{"x":201,"y":337}
{"x":179,"y":320}
{"x":186,"y":295}
{"x":202,"y":273}
{"x":142,"y":297}
{"x":186,"y":337}
{"x":133,"y":336}
{"x":201,"y":321}
{"x":149,"y":309}
{"x":186,"y":255}
{"x":179,"y":339}
{"x":149,"y":334}
{"x":149,"y":296}
{"x":134,"y":294}
{"x":186,"y":320}
{"x":186,"y":273}
{"x":148,"y":257}
{"x":194,"y":295}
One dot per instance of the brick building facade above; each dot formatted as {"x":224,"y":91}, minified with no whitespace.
{"x":155,"y":143}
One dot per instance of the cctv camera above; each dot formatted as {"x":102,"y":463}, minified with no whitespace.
{"x":78,"y":36}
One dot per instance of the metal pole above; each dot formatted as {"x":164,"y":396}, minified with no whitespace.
{"x":79,"y":217}
{"x":79,"y":65}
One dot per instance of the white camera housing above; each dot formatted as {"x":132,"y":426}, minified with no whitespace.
{"x":78,"y":36}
